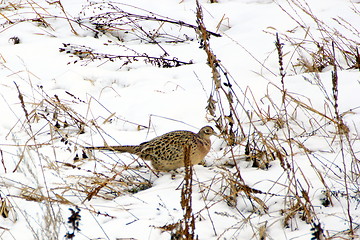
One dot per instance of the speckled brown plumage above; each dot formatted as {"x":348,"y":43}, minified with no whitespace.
{"x":166,"y":152}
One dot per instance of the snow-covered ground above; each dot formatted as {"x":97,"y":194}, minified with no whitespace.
{"x":61,"y":91}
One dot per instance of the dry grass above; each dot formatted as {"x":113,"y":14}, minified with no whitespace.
{"x":267,"y":137}
{"x":284,"y":141}
{"x":316,"y":50}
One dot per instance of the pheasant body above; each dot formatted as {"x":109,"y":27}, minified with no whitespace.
{"x":167,"y":152}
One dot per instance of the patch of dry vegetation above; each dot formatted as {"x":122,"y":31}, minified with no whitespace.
{"x":268,"y":136}
{"x":285,"y":137}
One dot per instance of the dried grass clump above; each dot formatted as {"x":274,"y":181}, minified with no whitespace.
{"x":125,"y":22}
{"x":87,"y":55}
{"x":59,"y":127}
{"x":314,"y":51}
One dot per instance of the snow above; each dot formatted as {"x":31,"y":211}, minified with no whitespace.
{"x":45,"y":170}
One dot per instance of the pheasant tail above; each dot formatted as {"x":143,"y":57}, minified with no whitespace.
{"x":128,"y":149}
